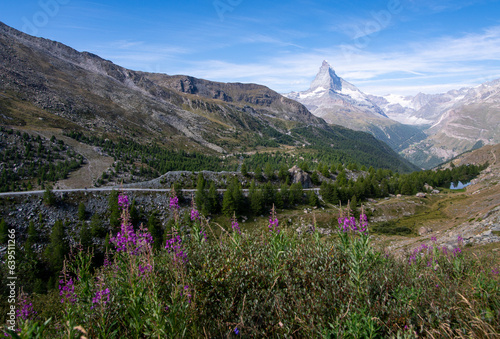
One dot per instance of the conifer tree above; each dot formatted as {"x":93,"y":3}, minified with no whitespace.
{"x":201,"y":195}
{"x":313,"y":199}
{"x":324,"y":170}
{"x":57,"y":248}
{"x":31,"y":239}
{"x":258,"y":174}
{"x":4,"y":232}
{"x":49,"y":197}
{"x":315,"y":178}
{"x":233,"y":198}
{"x":85,"y":236}
{"x":269,"y":172}
{"x":154,"y":227}
{"x":285,"y":194}
{"x":134,"y":214}
{"x":296,"y":193}
{"x":256,"y":199}
{"x":211,"y":205}
{"x":283,"y":173}
{"x":228,"y":203}
{"x":96,"y":227}
{"x":81,"y":211}
{"x":244,"y":170}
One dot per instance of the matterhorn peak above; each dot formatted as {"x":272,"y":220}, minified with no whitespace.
{"x":326,"y":78}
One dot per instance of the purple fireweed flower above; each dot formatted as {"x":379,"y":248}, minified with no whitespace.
{"x":204,"y":234}
{"x":67,"y":291}
{"x":26,"y":310}
{"x":412,"y":259}
{"x":128,"y":241}
{"x":195,"y":215}
{"x":106,"y":261}
{"x":174,"y":245}
{"x":234,"y":224}
{"x":144,"y":270}
{"x":494,"y":271}
{"x":174,"y":203}
{"x":457,"y":251}
{"x":123,"y":201}
{"x":273,"y":225}
{"x":186,"y":293}
{"x":274,"y":222}
{"x":348,"y":224}
{"x":101,"y":297}
{"x":433,"y":239}
{"x":460,"y":240}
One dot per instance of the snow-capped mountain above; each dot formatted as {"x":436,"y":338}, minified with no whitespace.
{"x":329,"y":91}
{"x":339,"y":102}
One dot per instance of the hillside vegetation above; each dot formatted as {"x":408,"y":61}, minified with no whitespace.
{"x":207,"y":283}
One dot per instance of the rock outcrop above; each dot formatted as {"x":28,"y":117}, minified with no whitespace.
{"x":300,"y":176}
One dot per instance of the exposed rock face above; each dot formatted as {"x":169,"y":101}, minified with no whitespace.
{"x":455,"y":122}
{"x":96,"y":94}
{"x":300,"y":176}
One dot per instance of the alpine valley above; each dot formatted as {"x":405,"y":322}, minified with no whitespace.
{"x":427,"y":129}
{"x":47,"y":85}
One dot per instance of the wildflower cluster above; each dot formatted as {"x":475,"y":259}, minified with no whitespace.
{"x":348,"y":224}
{"x":101,"y":297}
{"x":173,"y":201}
{"x":127,"y":240}
{"x":26,"y":310}
{"x":144,"y":270}
{"x":67,"y":290}
{"x":273,"y":222}
{"x":432,"y":252}
{"x":234,"y":225}
{"x":195,"y":214}
{"x":174,"y":245}
{"x":123,"y":201}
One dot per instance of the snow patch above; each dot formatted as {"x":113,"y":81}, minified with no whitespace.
{"x":394,"y":99}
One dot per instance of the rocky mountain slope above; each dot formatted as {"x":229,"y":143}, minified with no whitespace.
{"x":473,"y":214}
{"x":97,"y":94}
{"x":455,"y":122}
{"x":427,"y":129}
{"x":46,"y":84}
{"x":340,"y":102}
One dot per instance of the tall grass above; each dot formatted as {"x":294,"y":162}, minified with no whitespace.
{"x":207,"y":283}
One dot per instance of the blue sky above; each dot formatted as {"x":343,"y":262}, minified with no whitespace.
{"x":390,"y":46}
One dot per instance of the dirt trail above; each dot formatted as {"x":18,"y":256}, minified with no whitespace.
{"x":96,"y":162}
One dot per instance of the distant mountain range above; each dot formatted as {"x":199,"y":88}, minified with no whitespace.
{"x":341,"y":103}
{"x":427,"y":129}
{"x":45,"y":84}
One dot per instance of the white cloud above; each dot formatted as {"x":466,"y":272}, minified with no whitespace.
{"x":437,"y":65}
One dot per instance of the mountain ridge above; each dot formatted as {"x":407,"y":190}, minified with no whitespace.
{"x":455,"y":122}
{"x":340,"y":102}
{"x":87,"y":92}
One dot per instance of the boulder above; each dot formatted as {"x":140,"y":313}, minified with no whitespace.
{"x":424,"y":230}
{"x":298,"y":175}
